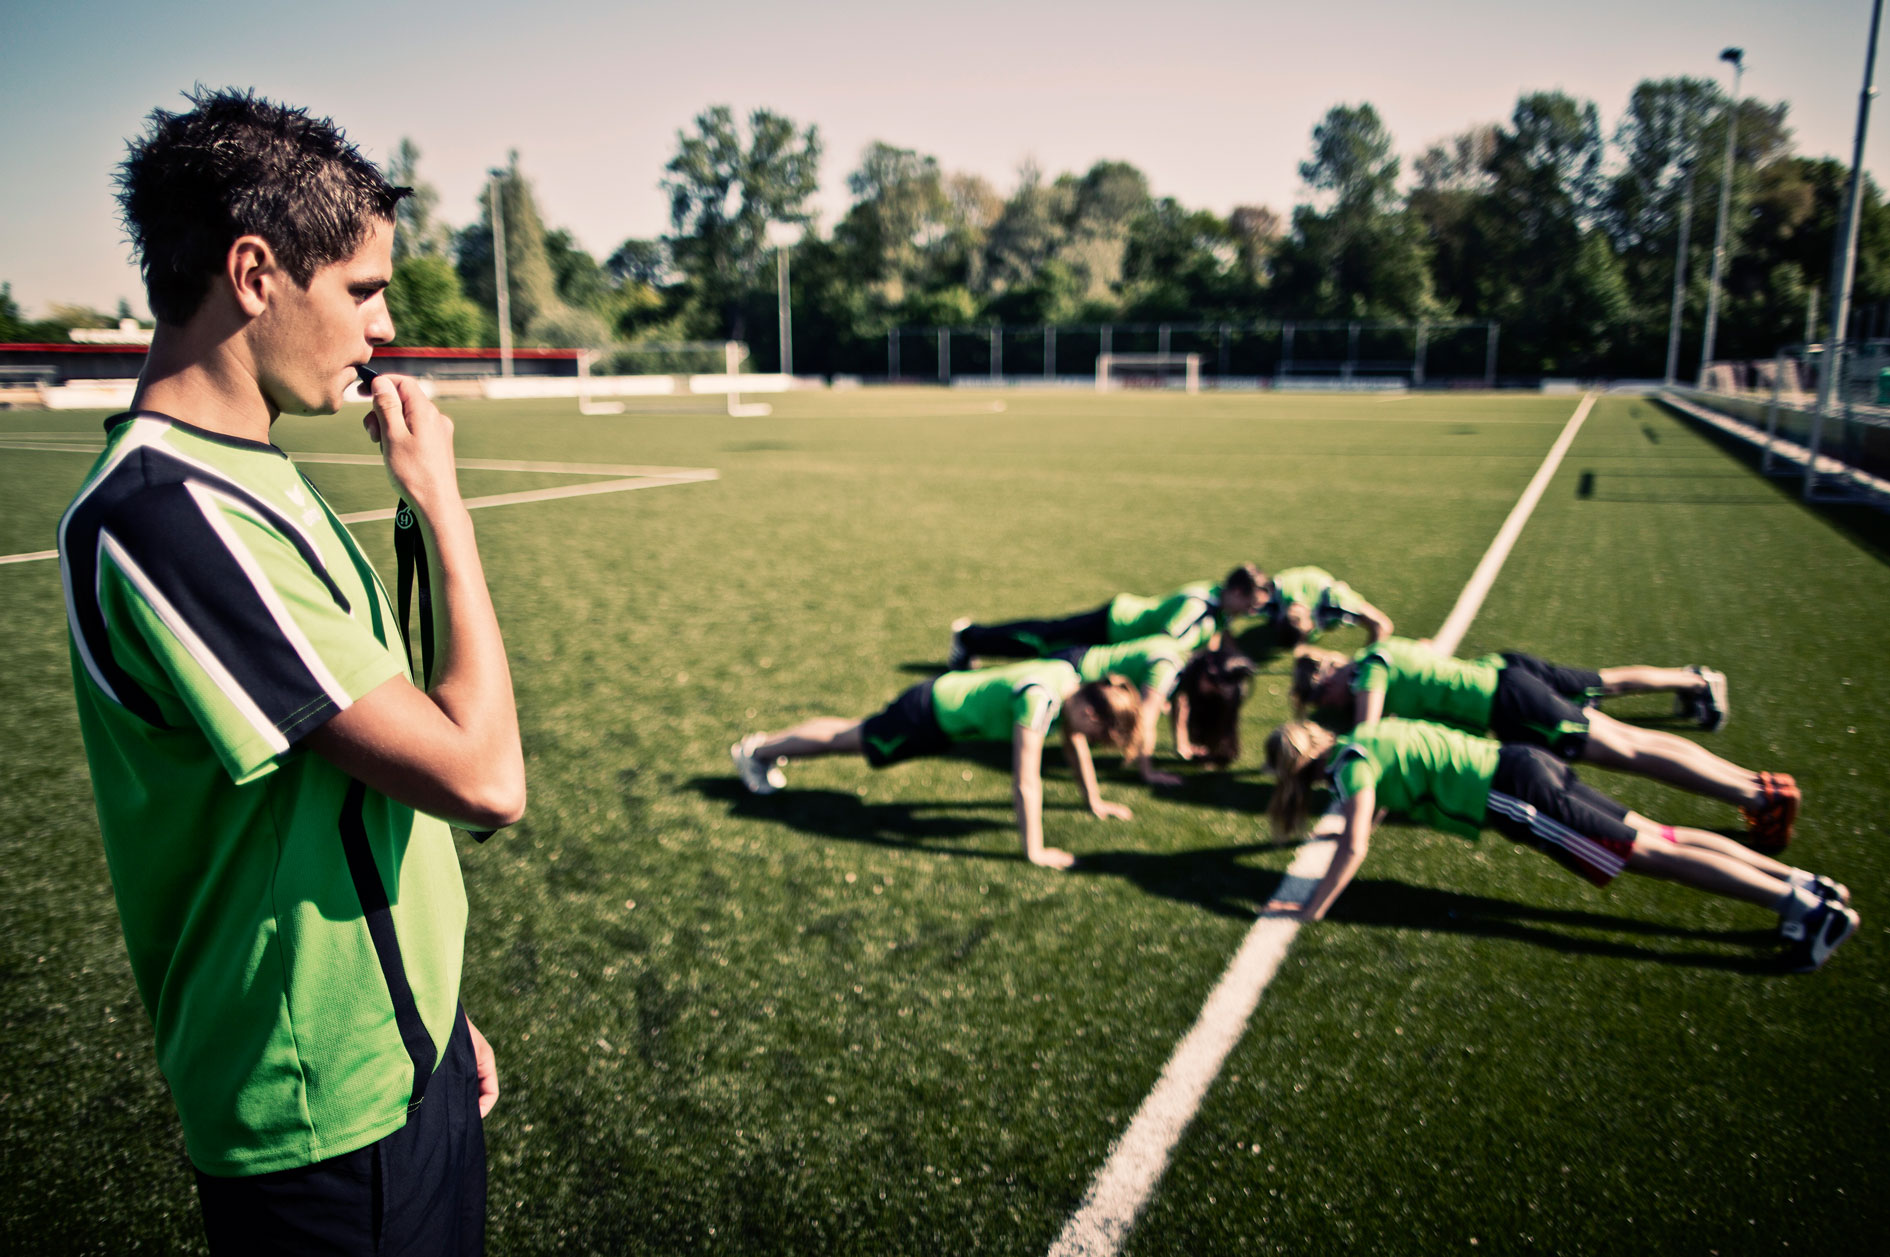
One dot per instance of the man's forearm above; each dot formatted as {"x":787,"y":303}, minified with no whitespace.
{"x":474,"y":684}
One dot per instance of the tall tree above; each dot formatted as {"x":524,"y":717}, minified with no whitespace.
{"x":725,"y":190}
{"x":428,"y":305}
{"x":530,"y":279}
{"x":1362,"y":255}
{"x":416,"y":232}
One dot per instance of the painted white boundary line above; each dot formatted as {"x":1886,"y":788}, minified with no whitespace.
{"x":1470,"y":601}
{"x":642,"y":478}
{"x":1136,"y":1162}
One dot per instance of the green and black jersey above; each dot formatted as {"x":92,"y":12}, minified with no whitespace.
{"x":1420,"y":682}
{"x":1330,"y":600}
{"x":1430,"y":773}
{"x":1150,"y":663}
{"x":986,"y":704}
{"x":295,"y":937}
{"x":1191,"y":615}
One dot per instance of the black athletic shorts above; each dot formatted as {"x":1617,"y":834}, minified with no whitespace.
{"x":1525,"y":709}
{"x":419,"y":1190}
{"x":1536,"y":799}
{"x":1577,"y":684}
{"x":906,"y":729}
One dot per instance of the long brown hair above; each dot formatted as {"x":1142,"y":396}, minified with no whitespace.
{"x":1311,"y":667}
{"x":1116,"y":704}
{"x":1293,"y":753}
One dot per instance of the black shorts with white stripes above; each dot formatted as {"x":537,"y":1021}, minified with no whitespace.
{"x":1536,"y":799}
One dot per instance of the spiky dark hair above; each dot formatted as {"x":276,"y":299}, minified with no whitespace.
{"x":234,"y":165}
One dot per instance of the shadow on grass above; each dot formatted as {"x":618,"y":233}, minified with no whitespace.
{"x":933,"y":827}
{"x":1377,"y":902}
{"x":1866,"y":525}
{"x":1208,"y":877}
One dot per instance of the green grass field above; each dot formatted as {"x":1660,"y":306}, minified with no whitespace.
{"x":847,"y":1018}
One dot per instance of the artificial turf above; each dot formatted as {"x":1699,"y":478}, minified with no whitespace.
{"x":848,"y":1019}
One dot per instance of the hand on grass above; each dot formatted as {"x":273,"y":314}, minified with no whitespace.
{"x":1052,"y":858}
{"x":1112,"y":811}
{"x":1286,"y":908}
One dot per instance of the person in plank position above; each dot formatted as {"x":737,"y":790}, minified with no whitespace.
{"x":1193,"y":615}
{"x":1309,"y":601}
{"x":273,"y":790}
{"x":1461,"y":784}
{"x":1520,"y":698}
{"x":1019,"y":703}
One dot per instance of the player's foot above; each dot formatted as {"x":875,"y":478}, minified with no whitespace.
{"x":1712,"y":707}
{"x":1825,"y":929}
{"x":760,"y":778}
{"x":1771,"y":819}
{"x":958,"y":658}
{"x":1821,"y":886}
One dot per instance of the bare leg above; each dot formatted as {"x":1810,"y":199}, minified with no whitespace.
{"x":1706,"y":840}
{"x":823,"y":735}
{"x":1691,"y":863}
{"x":1645,"y":679}
{"x":1670,"y":758}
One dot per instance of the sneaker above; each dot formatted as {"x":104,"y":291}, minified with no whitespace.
{"x":1825,"y":929}
{"x":1714,"y":708}
{"x":758,"y":777}
{"x":1821,"y":886}
{"x":958,"y":658}
{"x":1771,"y":821}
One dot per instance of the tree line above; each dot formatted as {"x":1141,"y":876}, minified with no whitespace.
{"x":1564,"y":235}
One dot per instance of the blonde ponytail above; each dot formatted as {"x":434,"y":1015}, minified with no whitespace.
{"x":1293,"y":752}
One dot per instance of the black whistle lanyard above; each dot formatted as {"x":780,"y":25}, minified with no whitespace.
{"x":410,"y":575}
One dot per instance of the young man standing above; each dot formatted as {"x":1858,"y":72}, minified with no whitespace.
{"x":270,"y":783}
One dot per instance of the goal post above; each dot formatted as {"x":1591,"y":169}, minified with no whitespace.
{"x":1148,"y":367}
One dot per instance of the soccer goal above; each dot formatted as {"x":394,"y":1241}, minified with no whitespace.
{"x":653,"y":378}
{"x":1115,"y":371}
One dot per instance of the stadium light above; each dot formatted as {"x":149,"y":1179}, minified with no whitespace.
{"x":1843,"y":262}
{"x":498,"y":266}
{"x":1737,"y":57}
{"x":784,"y":236}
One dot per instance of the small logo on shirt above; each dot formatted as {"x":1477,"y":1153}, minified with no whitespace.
{"x":297,"y":496}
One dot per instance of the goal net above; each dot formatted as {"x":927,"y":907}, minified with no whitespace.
{"x":1181,"y":371}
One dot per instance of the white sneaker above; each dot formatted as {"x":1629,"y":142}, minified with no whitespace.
{"x":958,"y":658}
{"x":758,"y":777}
{"x":1824,"y":930}
{"x":1714,"y":708}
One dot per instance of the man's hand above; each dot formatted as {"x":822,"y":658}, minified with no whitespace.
{"x":1112,"y":811}
{"x":488,"y":1070}
{"x":416,"y":443}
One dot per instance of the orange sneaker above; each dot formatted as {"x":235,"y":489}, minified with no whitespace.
{"x":1771,"y":821}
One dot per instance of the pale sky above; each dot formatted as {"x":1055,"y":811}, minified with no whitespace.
{"x":1214,"y":100}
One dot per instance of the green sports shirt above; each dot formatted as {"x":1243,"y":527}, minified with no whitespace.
{"x":1152,"y":663}
{"x":295,"y":937}
{"x":1191,"y":615}
{"x":986,"y":704}
{"x":1420,"y":682}
{"x":1433,"y":774}
{"x":1331,"y":601}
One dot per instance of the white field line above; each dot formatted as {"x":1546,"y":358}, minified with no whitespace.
{"x":1137,"y":1160}
{"x":1470,"y":601}
{"x":643,"y":478}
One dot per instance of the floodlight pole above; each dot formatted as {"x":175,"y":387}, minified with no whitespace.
{"x":1737,"y":57}
{"x":787,"y":317}
{"x":498,"y":266}
{"x":1680,"y":277}
{"x":1844,"y":259}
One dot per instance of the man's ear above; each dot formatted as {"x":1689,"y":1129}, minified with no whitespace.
{"x":251,"y":270}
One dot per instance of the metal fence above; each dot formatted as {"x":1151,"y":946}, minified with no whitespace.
{"x":1421,"y":354}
